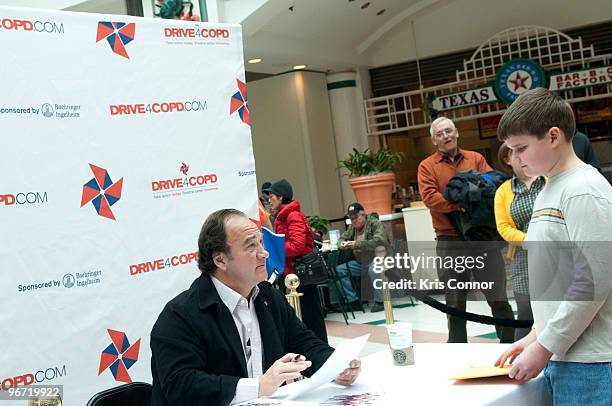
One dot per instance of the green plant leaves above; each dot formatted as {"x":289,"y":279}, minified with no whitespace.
{"x":369,"y":163}
{"x":318,"y":223}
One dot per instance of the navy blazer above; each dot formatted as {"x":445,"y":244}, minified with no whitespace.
{"x":197,"y":353}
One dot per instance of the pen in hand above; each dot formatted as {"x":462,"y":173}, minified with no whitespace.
{"x":296,"y":358}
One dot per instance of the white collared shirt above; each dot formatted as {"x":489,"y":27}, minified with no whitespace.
{"x":247,"y":324}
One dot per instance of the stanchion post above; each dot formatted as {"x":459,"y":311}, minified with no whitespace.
{"x":387,"y":300}
{"x":292,"y":282}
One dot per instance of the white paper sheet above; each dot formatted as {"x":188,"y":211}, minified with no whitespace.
{"x":274,"y":402}
{"x":340,"y":359}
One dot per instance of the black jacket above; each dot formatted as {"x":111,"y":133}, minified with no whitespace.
{"x":475,"y":192}
{"x":197,"y":355}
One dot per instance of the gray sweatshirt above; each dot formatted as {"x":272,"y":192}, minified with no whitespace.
{"x":570,"y":286}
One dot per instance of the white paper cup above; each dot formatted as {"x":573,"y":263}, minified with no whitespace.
{"x":400,"y":341}
{"x":334,"y":236}
{"x":400,"y":335}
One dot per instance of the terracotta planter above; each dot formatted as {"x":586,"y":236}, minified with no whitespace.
{"x":374,"y":191}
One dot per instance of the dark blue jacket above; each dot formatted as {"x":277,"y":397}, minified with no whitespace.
{"x":475,"y":193}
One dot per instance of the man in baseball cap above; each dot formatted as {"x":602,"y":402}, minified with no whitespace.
{"x":364,"y":234}
{"x":354,"y":209}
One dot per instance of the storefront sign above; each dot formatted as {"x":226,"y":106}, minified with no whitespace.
{"x":464,"y":99}
{"x":581,"y":78}
{"x":516,"y":77}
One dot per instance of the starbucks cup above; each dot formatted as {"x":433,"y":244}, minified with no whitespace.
{"x":400,"y":341}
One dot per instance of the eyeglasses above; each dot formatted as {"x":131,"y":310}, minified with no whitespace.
{"x":446,"y":131}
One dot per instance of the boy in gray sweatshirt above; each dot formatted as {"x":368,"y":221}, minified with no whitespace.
{"x":569,"y":286}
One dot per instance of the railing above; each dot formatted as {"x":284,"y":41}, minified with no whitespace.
{"x":553,"y":50}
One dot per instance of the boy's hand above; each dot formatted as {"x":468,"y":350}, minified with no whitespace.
{"x":516,"y":349}
{"x":530,"y":362}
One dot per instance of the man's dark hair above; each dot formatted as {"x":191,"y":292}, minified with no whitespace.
{"x":213,"y":238}
{"x":534,"y":112}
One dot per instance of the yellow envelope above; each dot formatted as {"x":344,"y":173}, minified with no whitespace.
{"x":481,"y":371}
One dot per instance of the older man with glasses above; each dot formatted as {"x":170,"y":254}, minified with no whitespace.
{"x":434,"y":173}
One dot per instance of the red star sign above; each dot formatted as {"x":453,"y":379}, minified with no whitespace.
{"x":519,"y":82}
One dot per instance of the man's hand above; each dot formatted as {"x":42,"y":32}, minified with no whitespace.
{"x":347,"y":245}
{"x":282,"y":370}
{"x":515,"y":349}
{"x":348,"y":376}
{"x":530,"y":362}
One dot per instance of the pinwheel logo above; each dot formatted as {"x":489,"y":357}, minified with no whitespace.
{"x":239,"y":103}
{"x":102,"y":192}
{"x":119,"y":356}
{"x":184,"y":168}
{"x":117,"y":34}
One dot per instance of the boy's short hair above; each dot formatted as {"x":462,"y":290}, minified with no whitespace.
{"x":534,"y":113}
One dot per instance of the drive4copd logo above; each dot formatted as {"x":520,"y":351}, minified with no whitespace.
{"x":102,"y":192}
{"x":239,"y":103}
{"x":119,"y":356}
{"x":117,"y":34}
{"x":186,"y":185}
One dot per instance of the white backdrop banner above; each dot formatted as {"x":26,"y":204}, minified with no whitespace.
{"x":119,"y":136}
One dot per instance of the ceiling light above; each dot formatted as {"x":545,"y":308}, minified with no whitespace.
{"x":297,"y":67}
{"x":366,"y":5}
{"x":255,"y":60}
{"x":381,"y":12}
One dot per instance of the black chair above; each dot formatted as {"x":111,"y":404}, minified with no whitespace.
{"x":331,"y":261}
{"x":130,"y":394}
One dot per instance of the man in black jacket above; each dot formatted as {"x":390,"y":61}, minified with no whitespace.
{"x":212,"y":343}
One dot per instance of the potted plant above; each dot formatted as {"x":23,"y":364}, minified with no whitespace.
{"x":320,"y":225}
{"x":371,"y":177}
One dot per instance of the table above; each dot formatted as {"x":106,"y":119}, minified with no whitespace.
{"x":427,"y":380}
{"x":418,"y":225}
{"x":420,"y":238}
{"x":427,"y":383}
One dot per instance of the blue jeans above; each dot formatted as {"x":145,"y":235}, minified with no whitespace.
{"x":575,"y":383}
{"x":343,"y":270}
{"x":376,"y":276}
